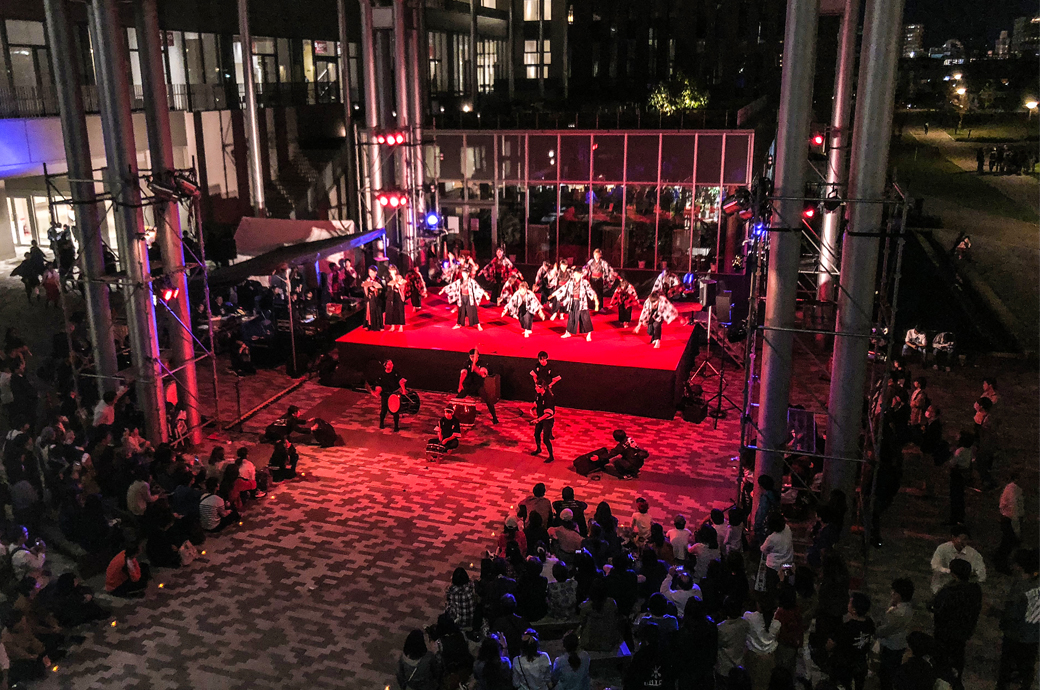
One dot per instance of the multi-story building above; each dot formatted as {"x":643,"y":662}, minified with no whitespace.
{"x":913,"y":38}
{"x":1025,"y":36}
{"x":1002,"y":46}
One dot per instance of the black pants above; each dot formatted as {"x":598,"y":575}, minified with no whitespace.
{"x":384,"y":409}
{"x":624,"y":314}
{"x":526,"y":319}
{"x":543,"y":434}
{"x":1016,"y":659}
{"x":597,"y":287}
{"x":957,"y":496}
{"x":1008,"y":542}
{"x":450,"y":445}
{"x":468,"y":310}
{"x":653,"y":329}
{"x":954,"y":652}
{"x":891,"y":660}
{"x":416,"y":298}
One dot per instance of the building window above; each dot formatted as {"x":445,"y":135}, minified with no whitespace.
{"x":531,"y":10}
{"x":438,"y":44}
{"x":652,"y":56}
{"x":29,"y":64}
{"x":531,"y":58}
{"x":487,"y":65}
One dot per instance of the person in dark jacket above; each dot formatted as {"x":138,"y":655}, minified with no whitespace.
{"x":418,"y":668}
{"x":1018,"y":650}
{"x":532,"y":601}
{"x":627,"y":456}
{"x":651,"y":665}
{"x":955,"y":610}
{"x":917,"y":672}
{"x":696,"y":647}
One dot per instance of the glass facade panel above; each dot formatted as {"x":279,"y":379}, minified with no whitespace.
{"x":705,"y":226}
{"x":480,"y":151}
{"x":439,"y":61}
{"x":531,"y":10}
{"x":542,"y":157}
{"x":450,"y":156}
{"x":677,"y":153}
{"x":21,"y":224}
{"x":575,"y":150}
{"x":23,"y":68}
{"x":605,"y":232}
{"x":709,"y":159}
{"x":210,"y":61}
{"x":642,"y":158}
{"x":574,"y":223}
{"x":25,"y":33}
{"x":511,"y":157}
{"x":640,"y":225}
{"x":193,"y":57}
{"x":675,"y":227}
{"x":542,"y":219}
{"x":175,"y":57}
{"x":736,"y":163}
{"x":511,"y":213}
{"x":608,"y":162}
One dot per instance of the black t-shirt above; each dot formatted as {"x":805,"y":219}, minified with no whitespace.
{"x":390,"y":382}
{"x":449,"y":427}
{"x":543,"y":373}
{"x":545,"y":401}
{"x":474,"y":381}
{"x":854,"y":639}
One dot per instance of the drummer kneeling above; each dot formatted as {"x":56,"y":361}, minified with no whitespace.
{"x":449,"y":431}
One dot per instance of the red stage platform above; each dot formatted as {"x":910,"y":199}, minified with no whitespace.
{"x":608,"y":373}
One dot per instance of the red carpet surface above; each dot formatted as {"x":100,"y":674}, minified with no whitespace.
{"x":431,"y":329}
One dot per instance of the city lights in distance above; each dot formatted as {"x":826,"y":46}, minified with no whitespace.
{"x":961,"y":91}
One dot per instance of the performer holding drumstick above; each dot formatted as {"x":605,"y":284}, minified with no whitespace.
{"x":544,"y":412}
{"x":388,"y":383}
{"x":472,"y":382}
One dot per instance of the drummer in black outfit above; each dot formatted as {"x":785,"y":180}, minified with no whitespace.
{"x":449,"y":431}
{"x":388,"y":383}
{"x":544,"y":412}
{"x":471,"y":382}
{"x":543,"y":371}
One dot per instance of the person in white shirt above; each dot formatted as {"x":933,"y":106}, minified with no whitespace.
{"x":105,"y":410}
{"x":680,"y":539}
{"x":532,"y":669}
{"x":777,"y":549}
{"x":731,"y":538}
{"x":26,"y":559}
{"x":246,"y":469}
{"x":1012,"y":510}
{"x":139,"y":495}
{"x":679,"y":588}
{"x":957,"y":547}
{"x":641,"y":522}
{"x":763,"y":631}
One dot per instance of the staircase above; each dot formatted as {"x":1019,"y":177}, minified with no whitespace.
{"x":289,"y":196}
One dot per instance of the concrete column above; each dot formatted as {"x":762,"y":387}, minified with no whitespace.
{"x":256,"y":169}
{"x":541,"y":48}
{"x":871,"y":133}
{"x":840,"y":139}
{"x":372,"y":105}
{"x":405,"y":216}
{"x":384,"y":78}
{"x":511,"y":51}
{"x":167,"y":214}
{"x":796,"y":90}
{"x":416,"y":40}
{"x":89,"y":216}
{"x":112,"y":64}
{"x":474,"y":89}
{"x":350,"y":195}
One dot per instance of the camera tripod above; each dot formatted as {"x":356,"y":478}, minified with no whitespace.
{"x":707,"y":369}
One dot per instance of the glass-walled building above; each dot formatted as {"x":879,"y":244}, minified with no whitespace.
{"x":643,"y":197}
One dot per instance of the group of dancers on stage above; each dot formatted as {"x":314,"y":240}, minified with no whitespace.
{"x":560,"y":291}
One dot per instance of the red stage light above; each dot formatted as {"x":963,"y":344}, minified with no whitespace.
{"x":404,"y":201}
{"x":394,"y":201}
{"x":817,"y":140}
{"x":383,"y":200}
{"x":809,"y":213}
{"x":399,"y":138}
{"x":380,"y":139}
{"x":169,"y":294}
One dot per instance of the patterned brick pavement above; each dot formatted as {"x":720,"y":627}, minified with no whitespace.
{"x":319,"y":586}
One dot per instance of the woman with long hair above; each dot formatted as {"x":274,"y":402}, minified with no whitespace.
{"x":418,"y":668}
{"x":762,"y":641}
{"x":492,"y":670}
{"x":598,"y":620}
{"x":570,"y":671}
{"x":532,"y":669}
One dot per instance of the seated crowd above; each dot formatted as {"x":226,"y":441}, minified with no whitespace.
{"x":676,"y":608}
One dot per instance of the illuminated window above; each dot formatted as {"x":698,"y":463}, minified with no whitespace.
{"x":531,"y":58}
{"x":531,"y":10}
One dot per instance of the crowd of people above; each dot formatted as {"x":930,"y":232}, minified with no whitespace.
{"x":719,"y":604}
{"x":1006,"y":160}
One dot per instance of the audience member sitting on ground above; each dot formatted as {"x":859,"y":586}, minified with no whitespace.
{"x":124,"y":576}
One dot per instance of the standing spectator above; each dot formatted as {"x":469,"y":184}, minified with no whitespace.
{"x":537,"y":503}
{"x":763,"y":630}
{"x":789,"y":641}
{"x":105,"y":410}
{"x":919,"y":401}
{"x":125,"y":576}
{"x":418,"y":668}
{"x":641,"y":522}
{"x":960,"y":469}
{"x":1020,"y":622}
{"x":697,"y":645}
{"x":768,"y":499}
{"x":933,"y":446}
{"x":956,"y":548}
{"x":824,"y":534}
{"x":532,"y":669}
{"x":25,"y":398}
{"x":732,"y":640}
{"x":955,"y":610}
{"x":893,"y":630}
{"x":704,"y":551}
{"x":850,"y":644}
{"x":777,"y":549}
{"x":680,"y":539}
{"x":576,"y":507}
{"x":732,"y":537}
{"x":570,"y":671}
{"x":462,"y":599}
{"x":1012,"y":510}
{"x":985,"y":442}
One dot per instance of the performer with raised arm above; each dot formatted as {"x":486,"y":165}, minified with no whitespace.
{"x":467,"y":294}
{"x":522,"y":306}
{"x":416,"y":287}
{"x":577,"y":298}
{"x":541,"y":281}
{"x":667,"y":283}
{"x":374,"y":301}
{"x":396,"y":289}
{"x":497,"y":271}
{"x":558,"y":276}
{"x":544,"y":413}
{"x":624,"y":300}
{"x":510,"y":286}
{"x":657,"y":310}
{"x":449,"y":268}
{"x":472,"y":380}
{"x":599,"y":274}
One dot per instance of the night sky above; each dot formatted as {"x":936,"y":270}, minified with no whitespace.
{"x":970,"y":21}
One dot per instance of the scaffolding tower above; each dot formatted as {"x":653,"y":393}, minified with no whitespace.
{"x":194,"y":268}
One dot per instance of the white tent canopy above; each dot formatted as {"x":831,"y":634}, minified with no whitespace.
{"x":256,"y":236}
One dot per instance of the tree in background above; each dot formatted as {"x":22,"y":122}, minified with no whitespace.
{"x":677,"y":95}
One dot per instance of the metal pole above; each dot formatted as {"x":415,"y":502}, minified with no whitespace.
{"x":871,"y":133}
{"x":837,"y":157}
{"x":473,"y":88}
{"x":375,"y":171}
{"x":68,"y":81}
{"x":196,"y":220}
{"x":541,"y":48}
{"x":112,"y":62}
{"x":292,"y":322}
{"x":348,"y":106}
{"x":416,"y":40}
{"x":511,"y":49}
{"x":167,"y":213}
{"x":256,"y":171}
{"x":796,"y":90}
{"x":408,"y":239}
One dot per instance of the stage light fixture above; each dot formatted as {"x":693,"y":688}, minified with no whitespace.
{"x":737,"y":202}
{"x":833,"y":203}
{"x":809,"y":212}
{"x":186,"y":188}
{"x":162,"y":189}
{"x":390,"y":138}
{"x":393,"y":199}
{"x":394,"y":202}
{"x":818,"y":139}
{"x":432,"y":220}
